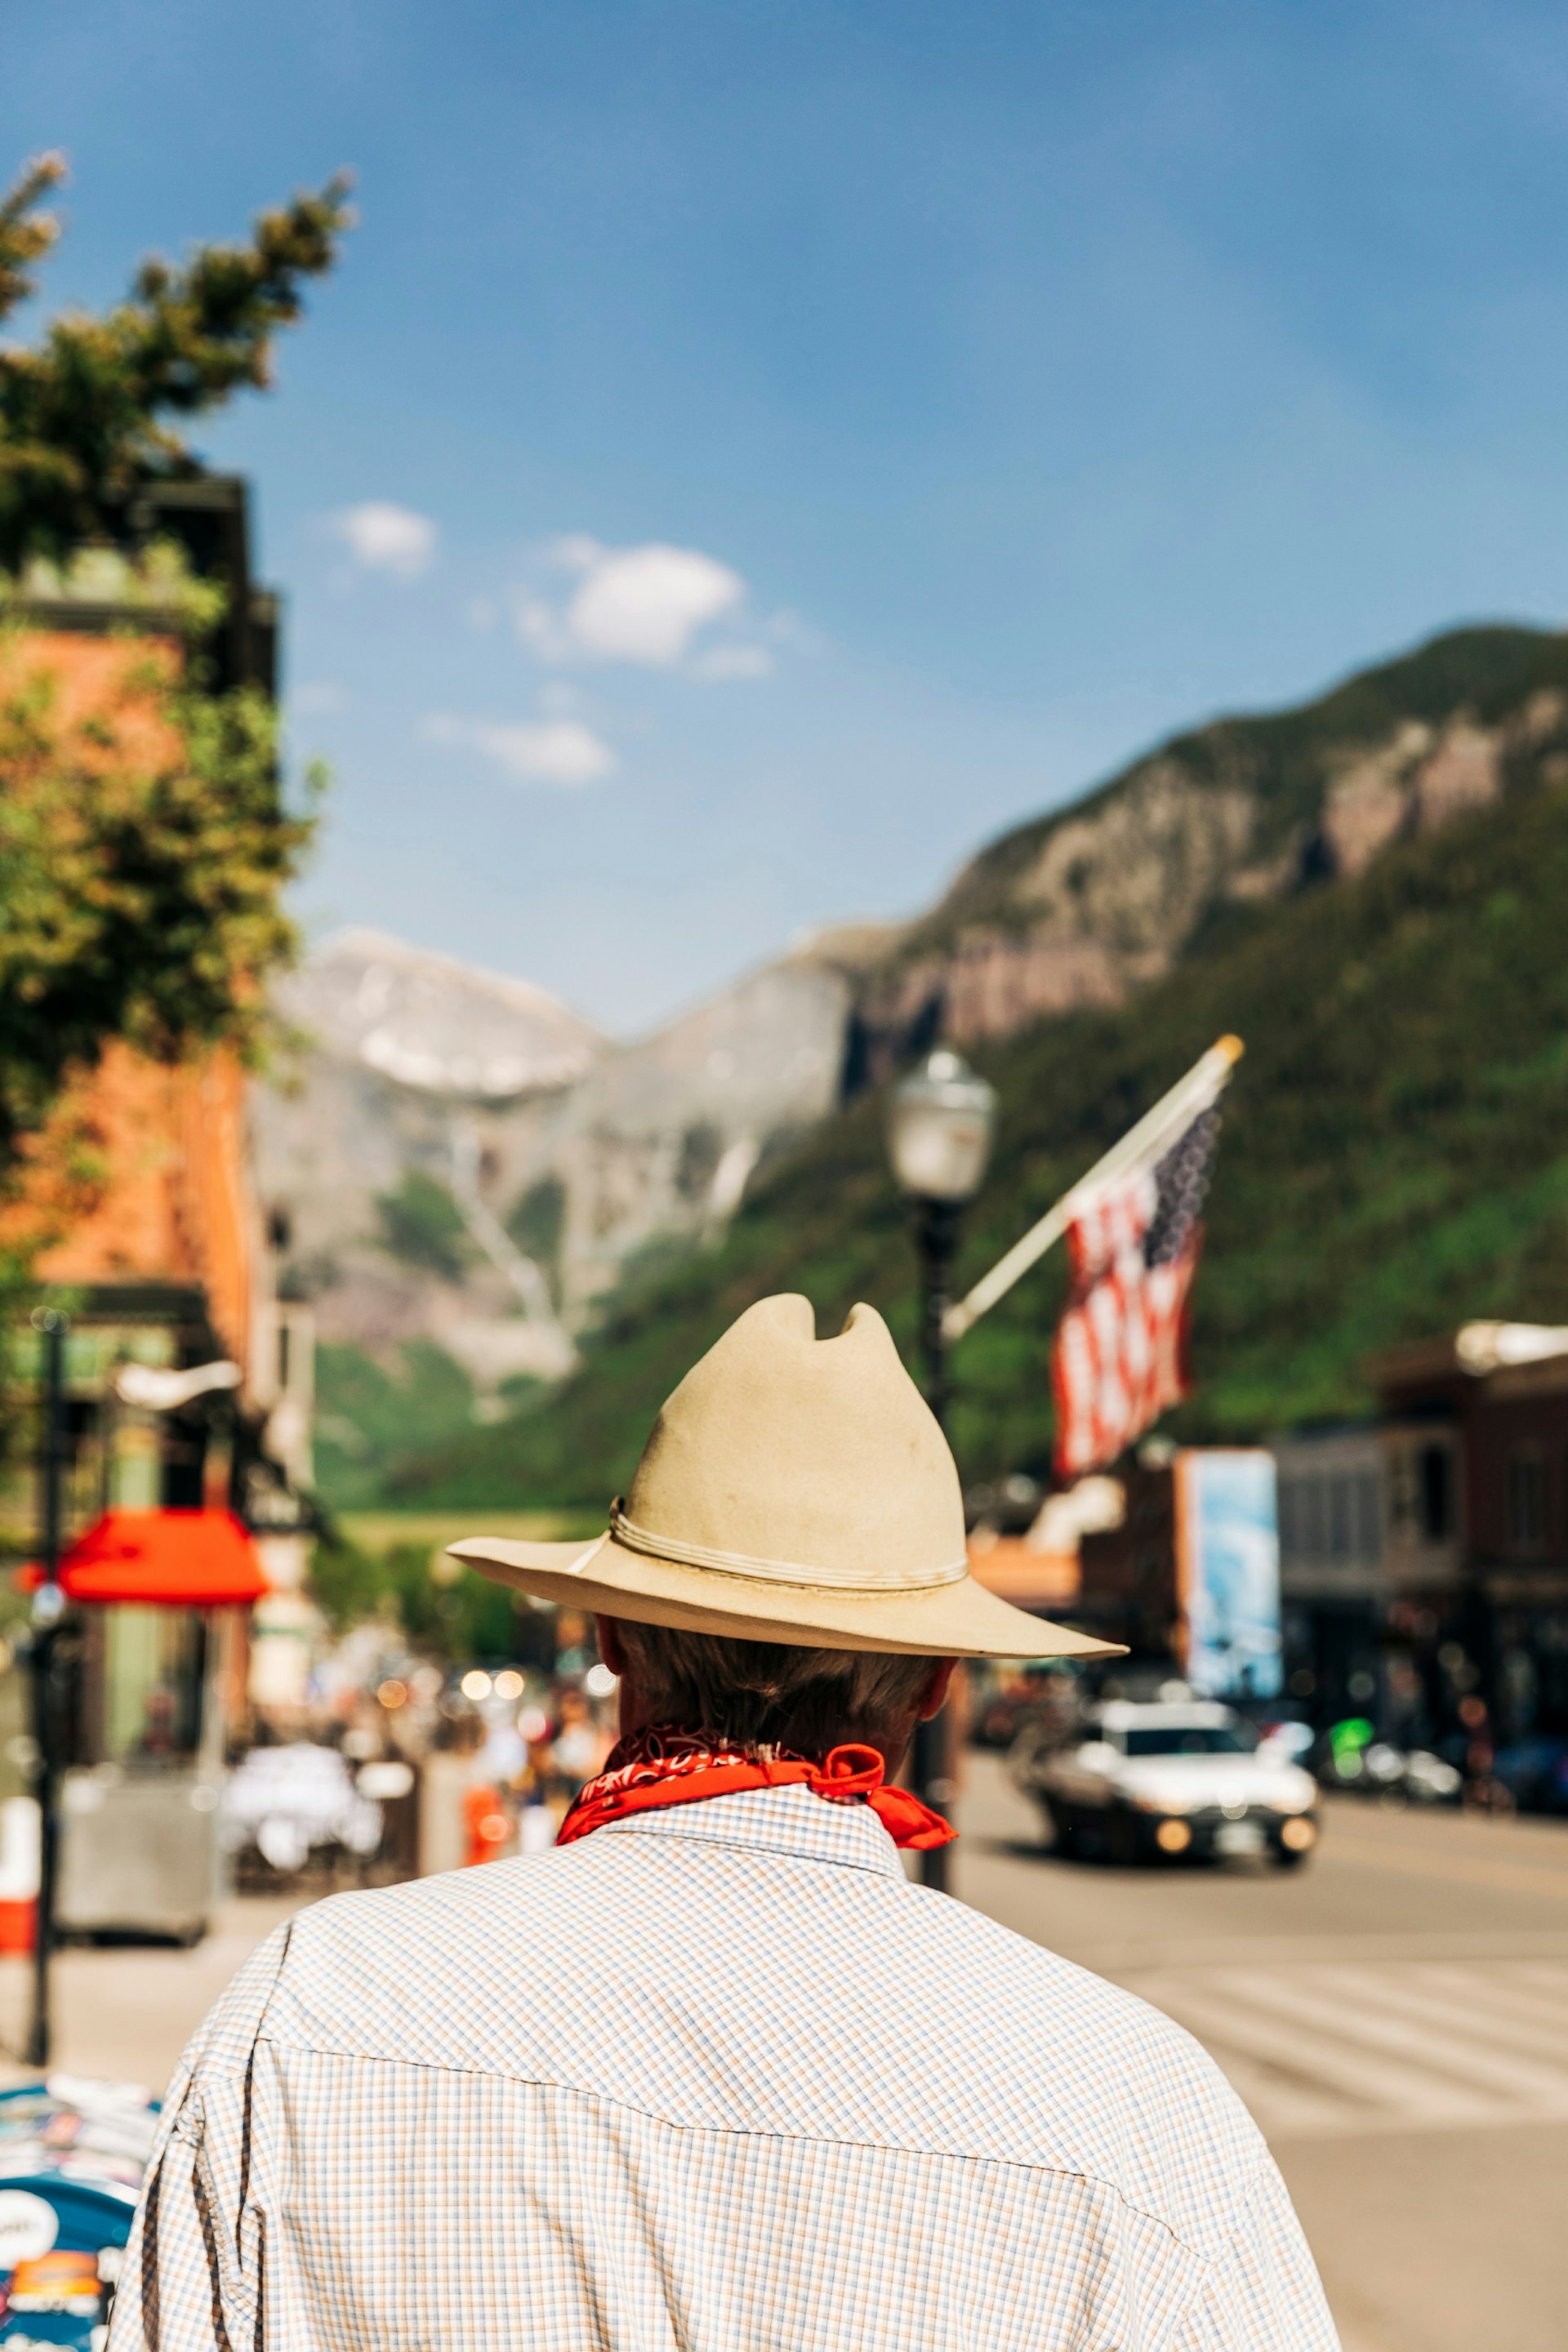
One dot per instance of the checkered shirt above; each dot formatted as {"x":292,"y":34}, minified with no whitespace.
{"x":714,"y":2079}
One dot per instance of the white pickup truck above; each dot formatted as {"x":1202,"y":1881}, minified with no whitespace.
{"x":1171,"y":1779}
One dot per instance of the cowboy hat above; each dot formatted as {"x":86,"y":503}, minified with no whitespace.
{"x":795,"y":1489}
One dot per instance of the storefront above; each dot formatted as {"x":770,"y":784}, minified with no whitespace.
{"x":155,"y":1670}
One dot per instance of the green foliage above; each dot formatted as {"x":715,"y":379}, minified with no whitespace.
{"x":85,"y":418}
{"x":144,"y":844}
{"x":25,"y":233}
{"x":370,"y":1417}
{"x":470,"y":1618}
{"x":349,"y":1583}
{"x":537,"y":1222}
{"x":1394,"y":1160}
{"x":142,"y":856}
{"x":423,"y":1225}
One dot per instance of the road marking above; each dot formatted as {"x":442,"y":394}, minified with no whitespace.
{"x":1366,"y":2087}
{"x":1318,"y":2049}
{"x":1538,"y":2027}
{"x":1397,"y":2019}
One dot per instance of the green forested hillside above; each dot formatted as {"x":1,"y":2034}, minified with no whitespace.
{"x":1395,"y":1160}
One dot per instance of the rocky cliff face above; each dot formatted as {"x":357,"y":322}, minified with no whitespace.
{"x":1079,"y":908}
{"x":408,"y":1111}
{"x":658,"y":1141}
{"x":453,"y":1157}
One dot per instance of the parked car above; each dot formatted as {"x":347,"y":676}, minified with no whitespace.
{"x":1349,"y":1756}
{"x":285,"y":1804}
{"x":1535,"y":1774}
{"x":1170,"y":1780}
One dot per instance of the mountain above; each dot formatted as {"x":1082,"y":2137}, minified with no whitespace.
{"x":1083,"y":906}
{"x":655,"y":1147}
{"x":436,"y":1024}
{"x":456,"y":1168}
{"x":1396,"y":1150}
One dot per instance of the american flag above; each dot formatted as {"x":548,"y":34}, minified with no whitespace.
{"x":1133,"y":1249}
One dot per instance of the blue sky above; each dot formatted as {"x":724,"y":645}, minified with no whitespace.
{"x":752,"y":453}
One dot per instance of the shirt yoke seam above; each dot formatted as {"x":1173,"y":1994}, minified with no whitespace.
{"x":891,"y":1872}
{"x":803,"y":2139}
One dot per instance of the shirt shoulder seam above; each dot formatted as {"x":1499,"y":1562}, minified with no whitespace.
{"x":1246,"y":2200}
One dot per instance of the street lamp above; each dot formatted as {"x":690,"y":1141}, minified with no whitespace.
{"x":939,"y":1140}
{"x":48,"y":1607}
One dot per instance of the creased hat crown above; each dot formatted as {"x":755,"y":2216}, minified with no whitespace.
{"x":815,"y":1461}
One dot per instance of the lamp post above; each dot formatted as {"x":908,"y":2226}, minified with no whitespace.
{"x":49,"y":1606}
{"x":939,"y":1140}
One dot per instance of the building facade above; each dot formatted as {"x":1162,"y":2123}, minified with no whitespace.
{"x":137,"y":1212}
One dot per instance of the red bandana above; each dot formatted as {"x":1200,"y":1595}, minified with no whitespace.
{"x":655,"y":1767}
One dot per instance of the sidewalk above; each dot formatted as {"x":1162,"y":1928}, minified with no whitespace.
{"x":129,"y":2011}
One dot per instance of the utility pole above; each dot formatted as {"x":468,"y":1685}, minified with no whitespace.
{"x":936,"y":1239}
{"x":48,"y":1607}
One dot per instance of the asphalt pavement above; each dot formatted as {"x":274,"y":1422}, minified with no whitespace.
{"x":1395,"y":2015}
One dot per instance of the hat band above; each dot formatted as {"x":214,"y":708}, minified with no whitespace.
{"x":764,"y":1572}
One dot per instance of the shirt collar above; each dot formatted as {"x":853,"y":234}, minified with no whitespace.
{"x":772,"y":1821}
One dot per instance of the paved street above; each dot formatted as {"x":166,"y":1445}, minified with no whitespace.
{"x":1395,"y":2015}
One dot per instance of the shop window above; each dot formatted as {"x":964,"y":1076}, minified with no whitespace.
{"x":1368,"y":1515}
{"x":1403,"y":1492}
{"x":1436,"y":1479}
{"x":1312,"y":1519}
{"x":154,"y":1660}
{"x":1339,"y":1492}
{"x":1526,"y":1500}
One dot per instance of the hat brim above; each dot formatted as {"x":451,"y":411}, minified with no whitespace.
{"x":961,"y":1619}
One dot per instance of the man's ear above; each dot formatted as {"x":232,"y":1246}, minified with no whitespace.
{"x":610,"y":1650}
{"x":934,"y":1699}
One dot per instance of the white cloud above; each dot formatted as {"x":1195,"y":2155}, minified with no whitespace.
{"x":718,"y":663}
{"x":639,"y":604}
{"x":385,"y":538}
{"x":530,"y":752}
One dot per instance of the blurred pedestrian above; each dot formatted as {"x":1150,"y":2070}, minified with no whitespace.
{"x":579,"y":1747}
{"x":714,"y":2073}
{"x":1483,"y":1792}
{"x":486,"y":1825}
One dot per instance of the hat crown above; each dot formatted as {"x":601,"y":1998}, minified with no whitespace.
{"x":816,"y":1460}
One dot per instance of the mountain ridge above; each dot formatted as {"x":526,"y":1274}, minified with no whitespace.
{"x":1088,"y":902}
{"x":1394,"y":1160}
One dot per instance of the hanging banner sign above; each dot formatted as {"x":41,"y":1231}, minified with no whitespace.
{"x":1227,"y":1570}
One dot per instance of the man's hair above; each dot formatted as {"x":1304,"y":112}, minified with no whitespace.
{"x":769,"y":1694}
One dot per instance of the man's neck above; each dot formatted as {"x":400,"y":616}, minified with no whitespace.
{"x":635,"y":1719}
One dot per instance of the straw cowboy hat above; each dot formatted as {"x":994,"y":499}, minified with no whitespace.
{"x":795,"y":1489}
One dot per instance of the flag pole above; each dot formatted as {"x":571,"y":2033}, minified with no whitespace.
{"x":1201,"y":1084}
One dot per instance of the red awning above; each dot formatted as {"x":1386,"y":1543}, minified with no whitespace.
{"x":178,"y":1560}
